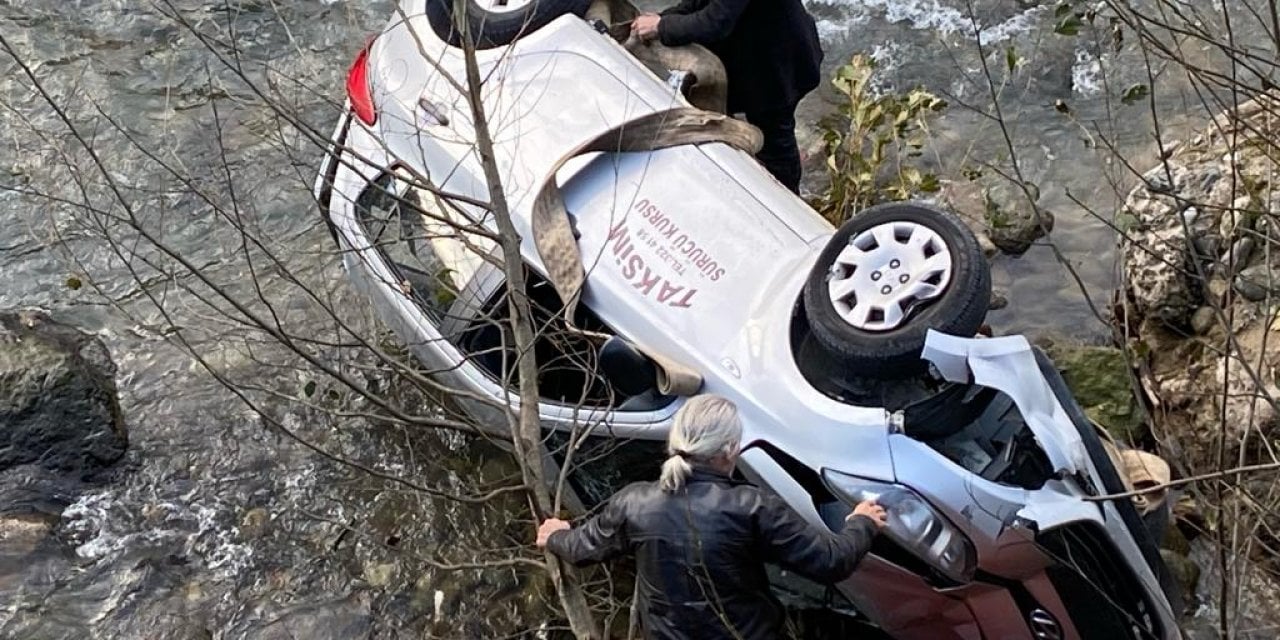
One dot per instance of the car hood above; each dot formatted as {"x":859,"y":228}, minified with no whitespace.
{"x":1009,"y":365}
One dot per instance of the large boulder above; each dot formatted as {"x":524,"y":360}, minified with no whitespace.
{"x":58,"y":403}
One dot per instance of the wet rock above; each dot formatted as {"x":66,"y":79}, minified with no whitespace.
{"x":33,"y":492}
{"x":1166,"y":233}
{"x":31,"y":499}
{"x":21,"y":536}
{"x":1256,"y":283}
{"x":254,"y":523}
{"x":58,"y":404}
{"x":1207,"y":246}
{"x":1238,"y":257}
{"x":1015,"y":233}
{"x":344,"y":619}
{"x":1164,"y":291}
{"x":1099,"y":380}
{"x":1160,"y":180}
{"x":998,"y":301}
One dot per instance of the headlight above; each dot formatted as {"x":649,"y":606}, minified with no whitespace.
{"x":912,"y":523}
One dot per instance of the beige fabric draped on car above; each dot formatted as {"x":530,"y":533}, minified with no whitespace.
{"x":1139,"y":471}
{"x":553,"y":234}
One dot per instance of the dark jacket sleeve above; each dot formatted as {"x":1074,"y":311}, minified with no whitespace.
{"x":712,"y":23}
{"x":816,"y":554}
{"x":602,"y":537}
{"x":685,"y":6}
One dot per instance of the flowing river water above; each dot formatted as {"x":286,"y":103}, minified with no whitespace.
{"x":217,"y":526}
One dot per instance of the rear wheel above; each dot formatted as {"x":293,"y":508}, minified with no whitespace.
{"x":888,"y":276}
{"x":494,"y":23}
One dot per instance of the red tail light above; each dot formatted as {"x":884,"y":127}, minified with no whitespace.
{"x":358,"y":87}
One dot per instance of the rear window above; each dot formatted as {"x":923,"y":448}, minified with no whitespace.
{"x":433,"y":257}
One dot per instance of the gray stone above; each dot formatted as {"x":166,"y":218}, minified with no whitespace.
{"x":1207,"y":246}
{"x":1237,"y":258}
{"x":1217,"y":288}
{"x":1256,"y":283}
{"x":1269,"y":229}
{"x":1203,"y":320}
{"x":58,"y":404}
{"x":1209,"y":177}
{"x":1190,"y":216}
{"x":1249,"y":290}
{"x":998,"y":301}
{"x":1015,"y":234}
{"x":1162,"y":179}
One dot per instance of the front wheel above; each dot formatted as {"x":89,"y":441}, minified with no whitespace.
{"x":495,"y":23}
{"x":887,"y":277}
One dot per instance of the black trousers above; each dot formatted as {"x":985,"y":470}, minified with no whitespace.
{"x":780,"y":153}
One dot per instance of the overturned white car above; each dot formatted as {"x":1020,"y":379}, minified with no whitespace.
{"x":694,"y":253}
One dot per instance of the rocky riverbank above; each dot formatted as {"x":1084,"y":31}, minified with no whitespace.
{"x":1197,"y":311}
{"x":61,"y":431}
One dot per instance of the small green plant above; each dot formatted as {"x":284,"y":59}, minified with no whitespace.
{"x":871,"y":141}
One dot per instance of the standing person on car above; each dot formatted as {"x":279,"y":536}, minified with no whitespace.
{"x":701,"y":539}
{"x":771,"y":56}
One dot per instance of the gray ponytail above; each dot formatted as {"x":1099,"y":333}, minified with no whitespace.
{"x":706,"y":426}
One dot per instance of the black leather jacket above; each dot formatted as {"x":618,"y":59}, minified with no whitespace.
{"x":770,"y":48}
{"x":700,"y":554}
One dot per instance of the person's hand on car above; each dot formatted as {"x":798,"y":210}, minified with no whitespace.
{"x":645,"y":26}
{"x":870,"y":509}
{"x":548,"y":527}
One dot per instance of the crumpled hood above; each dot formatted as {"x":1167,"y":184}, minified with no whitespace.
{"x":1008,"y":364}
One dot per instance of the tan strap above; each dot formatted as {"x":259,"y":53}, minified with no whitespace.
{"x":552,"y":233}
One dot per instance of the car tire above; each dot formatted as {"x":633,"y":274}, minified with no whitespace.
{"x":953,"y":300}
{"x":491,"y":29}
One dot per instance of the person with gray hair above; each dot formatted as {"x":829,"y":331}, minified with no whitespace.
{"x":701,"y":539}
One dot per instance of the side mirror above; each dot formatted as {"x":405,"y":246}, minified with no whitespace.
{"x":628,"y":370}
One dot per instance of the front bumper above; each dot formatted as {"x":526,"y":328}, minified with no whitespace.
{"x":1050,"y":561}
